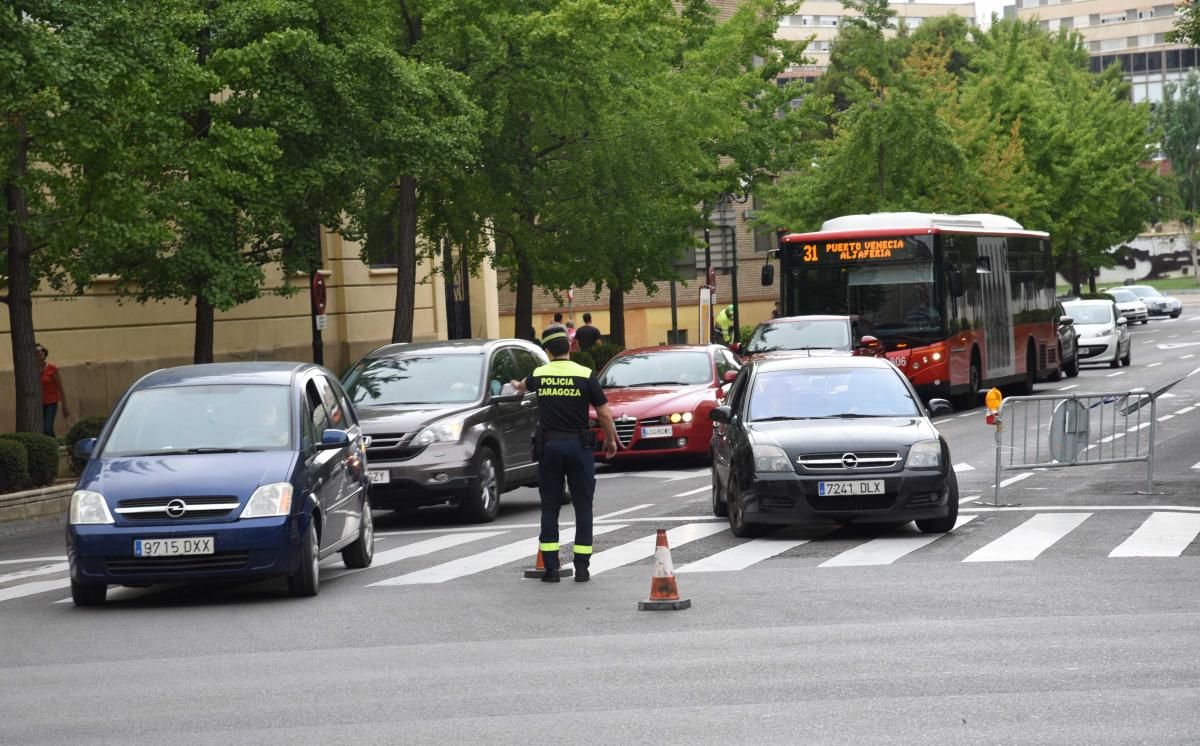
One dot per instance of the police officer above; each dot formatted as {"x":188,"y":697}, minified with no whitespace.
{"x":564,"y":447}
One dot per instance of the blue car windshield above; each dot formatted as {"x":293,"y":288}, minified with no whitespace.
{"x":830,"y":393}
{"x":416,"y":379}
{"x":199,"y":419}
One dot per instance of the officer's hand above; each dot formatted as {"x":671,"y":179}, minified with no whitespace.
{"x":610,"y":448}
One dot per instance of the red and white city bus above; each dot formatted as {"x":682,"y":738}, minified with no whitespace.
{"x":959,"y":302}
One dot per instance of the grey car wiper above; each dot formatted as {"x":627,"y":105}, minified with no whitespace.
{"x":217,"y":449}
{"x":783,"y":418}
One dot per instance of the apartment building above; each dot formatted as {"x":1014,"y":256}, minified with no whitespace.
{"x":1122,"y":33}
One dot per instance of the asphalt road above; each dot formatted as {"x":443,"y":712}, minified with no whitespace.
{"x":1069,"y":614}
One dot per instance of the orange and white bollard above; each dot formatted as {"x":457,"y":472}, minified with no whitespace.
{"x":664,"y":593}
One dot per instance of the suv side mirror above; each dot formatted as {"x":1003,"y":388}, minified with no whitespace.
{"x":869,"y":343}
{"x":729,"y":376}
{"x":1121,"y":321}
{"x":1066,"y":321}
{"x":84,"y":448}
{"x":735,"y":347}
{"x":331,"y":439}
{"x":719,"y":414}
{"x":768,"y":274}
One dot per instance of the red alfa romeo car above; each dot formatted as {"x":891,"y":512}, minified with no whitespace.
{"x":661,"y":396}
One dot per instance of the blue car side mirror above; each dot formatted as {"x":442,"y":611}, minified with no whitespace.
{"x":334,"y":439}
{"x":84,"y":448}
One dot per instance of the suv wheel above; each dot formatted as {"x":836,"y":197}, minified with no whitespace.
{"x":737,"y":515}
{"x":945,"y":524}
{"x":482,"y":503}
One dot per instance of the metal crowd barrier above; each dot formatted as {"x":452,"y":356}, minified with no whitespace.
{"x":1048,"y":432}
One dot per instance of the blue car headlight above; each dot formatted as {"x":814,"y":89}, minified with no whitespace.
{"x":89,"y":508}
{"x":269,"y":500}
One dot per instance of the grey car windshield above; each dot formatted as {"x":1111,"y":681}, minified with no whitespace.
{"x":1144,"y":291}
{"x":1098,"y":313}
{"x":416,"y":379}
{"x":802,"y":334}
{"x":199,"y":419}
{"x":658,"y":369}
{"x":832,"y":393}
{"x":1122,"y":295}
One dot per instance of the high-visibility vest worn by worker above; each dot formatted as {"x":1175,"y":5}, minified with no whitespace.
{"x":564,"y":449}
{"x":725,"y":322}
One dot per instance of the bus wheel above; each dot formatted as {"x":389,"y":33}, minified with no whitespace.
{"x":974,"y":383}
{"x":1030,"y":372}
{"x":1057,"y":373}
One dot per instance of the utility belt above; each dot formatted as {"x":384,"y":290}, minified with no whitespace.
{"x":585,"y":438}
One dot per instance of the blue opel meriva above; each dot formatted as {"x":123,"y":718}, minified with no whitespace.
{"x":236,"y":471}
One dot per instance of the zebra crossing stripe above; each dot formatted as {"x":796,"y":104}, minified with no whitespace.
{"x":642,"y":548}
{"x":1031,"y":538}
{"x":887,"y":549}
{"x":33,"y":572}
{"x":490,"y":559}
{"x":1161,"y":535}
{"x":31,"y":589}
{"x":742,"y":556}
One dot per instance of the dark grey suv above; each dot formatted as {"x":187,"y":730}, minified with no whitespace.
{"x":443,"y":428}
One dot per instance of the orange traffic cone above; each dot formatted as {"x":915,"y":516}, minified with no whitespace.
{"x":664,"y":594}
{"x":539,"y":568}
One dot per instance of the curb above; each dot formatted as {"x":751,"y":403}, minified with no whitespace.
{"x":38,"y":503}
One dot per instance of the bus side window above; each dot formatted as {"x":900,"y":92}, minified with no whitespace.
{"x":983,"y":265}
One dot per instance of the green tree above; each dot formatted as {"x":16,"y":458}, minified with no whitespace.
{"x":1187,"y":24}
{"x":1178,"y":117}
{"x":89,"y":95}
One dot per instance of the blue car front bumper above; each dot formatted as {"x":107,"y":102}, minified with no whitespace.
{"x":243,"y":550}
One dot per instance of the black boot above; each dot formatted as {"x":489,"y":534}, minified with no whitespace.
{"x":551,"y":575}
{"x":581,"y":571}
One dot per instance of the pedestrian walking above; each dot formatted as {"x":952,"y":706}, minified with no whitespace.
{"x":564,"y":446}
{"x":775,"y":312}
{"x":53,"y":392}
{"x":587,"y":335}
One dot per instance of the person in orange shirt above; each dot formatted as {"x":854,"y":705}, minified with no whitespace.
{"x":52,"y":392}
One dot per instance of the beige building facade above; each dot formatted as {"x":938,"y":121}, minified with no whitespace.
{"x":102,"y":343}
{"x":1120,"y":32}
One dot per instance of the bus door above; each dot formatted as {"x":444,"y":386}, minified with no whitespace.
{"x":996,"y":296}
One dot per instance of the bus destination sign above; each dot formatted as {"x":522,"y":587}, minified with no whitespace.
{"x":853,"y":251}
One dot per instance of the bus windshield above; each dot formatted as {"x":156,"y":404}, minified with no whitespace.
{"x":897,"y":303}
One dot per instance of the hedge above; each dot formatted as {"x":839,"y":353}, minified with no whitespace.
{"x":86,"y":427}
{"x":584,"y":359}
{"x":601,"y":354}
{"x":14,"y":466}
{"x":41,"y":452}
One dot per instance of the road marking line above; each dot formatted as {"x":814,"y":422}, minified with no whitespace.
{"x":1196,"y":465}
{"x":31,"y":560}
{"x":1152,"y":365}
{"x":1068,"y":388}
{"x":969,"y":499}
{"x":512,"y":526}
{"x":887,"y":549}
{"x":1017,"y":478}
{"x":1031,"y":538}
{"x":1118,"y":373}
{"x":1093,"y":508}
{"x":1161,"y":535}
{"x":1138,"y":388}
{"x":623,"y":512}
{"x":1173,"y":336}
{"x":644,"y":547}
{"x":1185,"y":357}
{"x":417,"y":549}
{"x":487,"y":560}
{"x":1111,"y":438}
{"x":670,"y":476}
{"x":743,"y":555}
{"x":35,"y":571}
{"x":966,"y":414}
{"x":1194,"y":372}
{"x":1185,"y":410}
{"x":1142,"y":426}
{"x":963,"y":467}
{"x":1165,"y":417}
{"x":30,"y":589}
{"x":697,"y":491}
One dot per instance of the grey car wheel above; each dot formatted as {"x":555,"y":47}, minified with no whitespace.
{"x":720,"y":508}
{"x":482,"y":503}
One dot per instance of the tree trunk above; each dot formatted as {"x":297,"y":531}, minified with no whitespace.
{"x":27,"y":381}
{"x":406,"y":262}
{"x":523,"y":314}
{"x":1075,"y":272}
{"x":616,"y":316}
{"x":1091,"y":280}
{"x":1192,"y":244}
{"x":203,"y":350}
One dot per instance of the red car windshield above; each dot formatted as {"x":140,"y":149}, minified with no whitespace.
{"x":657,"y":369}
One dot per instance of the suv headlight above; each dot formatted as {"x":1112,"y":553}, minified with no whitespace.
{"x":269,"y":500}
{"x":89,"y":507}
{"x":1104,"y":333}
{"x":926,"y":454}
{"x":771,"y":458}
{"x":446,"y":431}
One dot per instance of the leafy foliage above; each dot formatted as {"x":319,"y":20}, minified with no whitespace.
{"x":1187,"y":24}
{"x":86,"y":427}
{"x":41,"y":455}
{"x":602,"y":353}
{"x":14,"y":466}
{"x":1178,"y":117}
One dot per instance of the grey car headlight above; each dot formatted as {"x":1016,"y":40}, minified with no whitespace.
{"x":926,"y":454}
{"x":771,"y":458}
{"x":89,"y":507}
{"x":446,"y":431}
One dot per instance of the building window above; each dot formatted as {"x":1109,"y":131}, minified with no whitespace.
{"x":1187,"y":58}
{"x":1139,"y":62}
{"x":1112,"y":18}
{"x":1154,"y":62}
{"x":1081,"y":22}
{"x":383,"y":240}
{"x":1172,"y":59}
